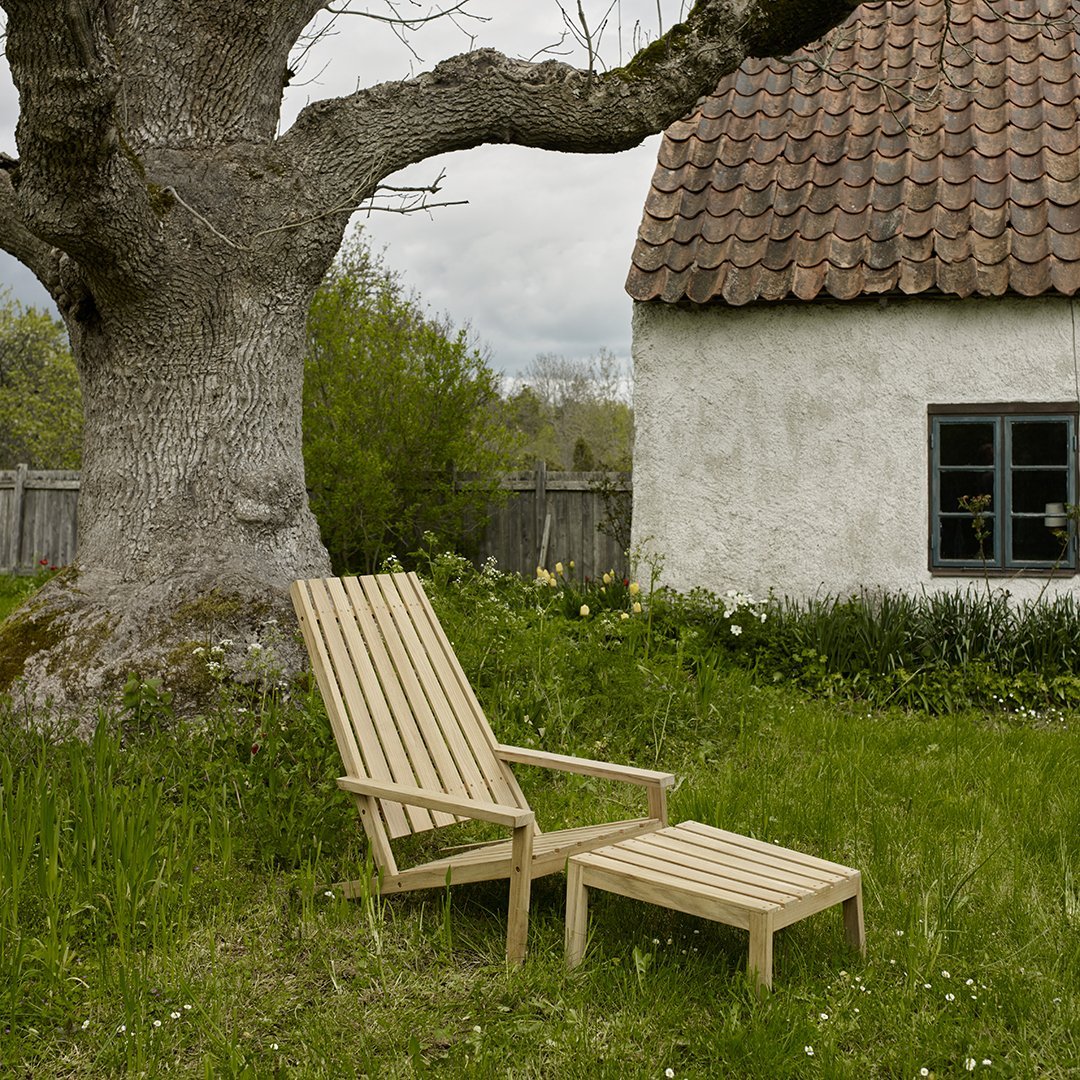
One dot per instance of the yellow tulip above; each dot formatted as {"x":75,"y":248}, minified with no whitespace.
{"x":635,"y":588}
{"x":584,"y":612}
{"x":558,"y":568}
{"x":637,"y":608}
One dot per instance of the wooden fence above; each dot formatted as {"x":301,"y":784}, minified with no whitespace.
{"x":549,"y":517}
{"x":39,"y":512}
{"x":555,"y":517}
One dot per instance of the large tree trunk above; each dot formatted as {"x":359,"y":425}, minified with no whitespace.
{"x":193,"y":513}
{"x":182,"y":240}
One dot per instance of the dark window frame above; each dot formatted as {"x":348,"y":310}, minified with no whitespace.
{"x":1002,"y":415}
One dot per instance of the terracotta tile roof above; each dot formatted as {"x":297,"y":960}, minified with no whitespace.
{"x":790,"y":182}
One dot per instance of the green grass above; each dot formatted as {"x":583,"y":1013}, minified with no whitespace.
{"x":14,"y":590}
{"x":162,"y":906}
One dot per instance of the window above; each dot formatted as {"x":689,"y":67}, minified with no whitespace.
{"x":996,"y":472}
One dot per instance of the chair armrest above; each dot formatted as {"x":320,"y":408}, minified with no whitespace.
{"x":585,"y":766}
{"x":513,"y":816}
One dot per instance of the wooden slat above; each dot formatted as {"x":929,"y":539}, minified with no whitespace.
{"x":396,"y":724}
{"x":337,"y":628}
{"x":467,"y":731}
{"x":513,"y":816}
{"x":479,"y":730}
{"x":703,"y":880}
{"x":774,"y":850}
{"x":733,"y":857}
{"x":427,"y":748}
{"x":438,"y":715}
{"x":550,"y":852}
{"x":335,"y":711}
{"x":656,"y":887}
{"x":383,"y":736}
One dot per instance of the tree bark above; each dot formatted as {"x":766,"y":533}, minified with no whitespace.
{"x":182,"y":241}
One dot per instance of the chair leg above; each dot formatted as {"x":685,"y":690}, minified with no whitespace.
{"x":759,"y":962}
{"x":577,"y":915}
{"x":517,"y":927}
{"x":854,"y":929}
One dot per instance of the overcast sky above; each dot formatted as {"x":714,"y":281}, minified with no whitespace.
{"x":537,"y":259}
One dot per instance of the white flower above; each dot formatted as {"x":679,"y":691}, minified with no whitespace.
{"x":945,"y":975}
{"x":736,"y":629}
{"x":823,"y":1016}
{"x":969,"y":1064}
{"x":987,"y":1061}
{"x":950,"y":997}
{"x":174,"y":1016}
{"x":273,"y":1046}
{"x":254,"y":647}
{"x":924,"y":1071}
{"x":85,"y":1024}
{"x":157,"y":1023}
{"x":187,"y":1006}
{"x":809,"y":1050}
{"x":477,"y":1028}
{"x":669,"y":1073}
{"x":198,"y":651}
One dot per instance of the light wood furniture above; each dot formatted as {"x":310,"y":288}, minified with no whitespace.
{"x":419,"y":753}
{"x":718,"y":875}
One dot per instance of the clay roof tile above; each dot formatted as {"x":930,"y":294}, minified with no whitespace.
{"x":788,"y":181}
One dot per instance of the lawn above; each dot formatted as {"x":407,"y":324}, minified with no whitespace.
{"x":164,"y":901}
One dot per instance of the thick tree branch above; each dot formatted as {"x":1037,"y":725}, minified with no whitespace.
{"x":79,"y":186}
{"x":17,"y":240}
{"x":484,"y":97}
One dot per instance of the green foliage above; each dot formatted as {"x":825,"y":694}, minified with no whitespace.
{"x":935,"y":652}
{"x":40,"y":399}
{"x":396,"y":404}
{"x":573,"y":414}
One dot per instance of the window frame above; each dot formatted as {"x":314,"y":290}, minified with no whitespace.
{"x":1002,"y":415}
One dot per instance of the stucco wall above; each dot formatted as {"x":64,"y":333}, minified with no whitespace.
{"x":786,"y":447}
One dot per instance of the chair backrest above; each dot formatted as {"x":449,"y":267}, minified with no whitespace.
{"x":399,"y":703}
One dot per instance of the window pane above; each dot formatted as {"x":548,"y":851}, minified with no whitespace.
{"x":1040,"y":442}
{"x":956,"y":540}
{"x":955,"y":485}
{"x":1032,"y":490}
{"x":967,"y":444}
{"x":1031,"y":539}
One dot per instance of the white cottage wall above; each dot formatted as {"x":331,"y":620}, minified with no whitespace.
{"x":786,"y":447}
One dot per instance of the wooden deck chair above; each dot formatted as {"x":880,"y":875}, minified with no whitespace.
{"x":419,"y":753}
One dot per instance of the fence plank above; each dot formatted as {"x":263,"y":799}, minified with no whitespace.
{"x":39,"y":520}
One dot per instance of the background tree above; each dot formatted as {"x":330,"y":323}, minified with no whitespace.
{"x":396,"y":405}
{"x":40,"y":401}
{"x":183,"y":238}
{"x":575,"y":413}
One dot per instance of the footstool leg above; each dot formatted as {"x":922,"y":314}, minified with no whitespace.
{"x":577,"y":915}
{"x":854,"y":929}
{"x":759,"y":963}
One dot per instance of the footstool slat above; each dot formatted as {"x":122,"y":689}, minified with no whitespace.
{"x":717,"y":875}
{"x":731,"y":879}
{"x":692,"y":879}
{"x":772,"y":860}
{"x":775,"y":873}
{"x":762,"y":846}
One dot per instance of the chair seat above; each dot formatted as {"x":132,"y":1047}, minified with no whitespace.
{"x":489,"y":862}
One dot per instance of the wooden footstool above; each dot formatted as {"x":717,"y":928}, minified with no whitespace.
{"x":718,"y":875}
